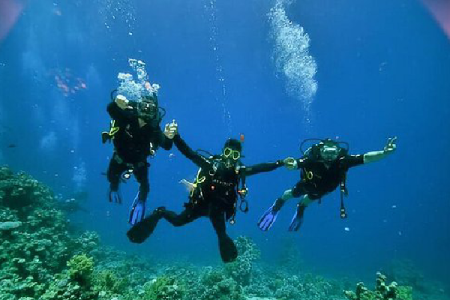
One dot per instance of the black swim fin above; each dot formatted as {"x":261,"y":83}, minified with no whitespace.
{"x":142,"y":230}
{"x":228,"y":250}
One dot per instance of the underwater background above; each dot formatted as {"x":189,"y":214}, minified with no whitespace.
{"x":277,"y":72}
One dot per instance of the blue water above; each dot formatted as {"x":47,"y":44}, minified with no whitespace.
{"x":382,"y":70}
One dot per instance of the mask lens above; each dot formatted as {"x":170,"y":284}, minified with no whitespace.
{"x":147,"y":109}
{"x":236,"y":155}
{"x":329,"y":152}
{"x":227,"y":152}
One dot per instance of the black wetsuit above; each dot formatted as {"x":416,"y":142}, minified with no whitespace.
{"x":214,"y":196}
{"x":132,"y":147}
{"x":317,"y":180}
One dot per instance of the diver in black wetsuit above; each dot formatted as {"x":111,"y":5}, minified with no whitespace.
{"x":323,"y":168}
{"x":136,"y":134}
{"x":214,"y":194}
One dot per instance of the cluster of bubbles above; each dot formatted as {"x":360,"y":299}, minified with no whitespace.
{"x":118,"y":13}
{"x":79,"y":177}
{"x":292,"y":56}
{"x":211,"y":11}
{"x":136,"y":89}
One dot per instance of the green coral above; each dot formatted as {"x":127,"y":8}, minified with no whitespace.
{"x":109,"y":282}
{"x":382,"y":291}
{"x":241,"y":269}
{"x":39,"y":259}
{"x":163,"y":288}
{"x":214,"y":284}
{"x":81,"y":268}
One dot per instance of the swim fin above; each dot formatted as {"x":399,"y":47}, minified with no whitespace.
{"x":142,"y":230}
{"x":228,"y":250}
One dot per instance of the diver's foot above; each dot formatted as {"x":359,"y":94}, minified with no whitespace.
{"x":268,"y":218}
{"x":297,"y":219}
{"x":114,"y":196}
{"x":228,"y":250}
{"x":142,"y":230}
{"x":137,"y":211}
{"x":296,"y":224}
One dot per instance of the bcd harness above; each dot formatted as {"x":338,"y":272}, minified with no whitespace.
{"x":107,"y":136}
{"x":196,"y":193}
{"x":309,"y":177}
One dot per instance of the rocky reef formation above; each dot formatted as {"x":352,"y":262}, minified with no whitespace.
{"x":41,"y":259}
{"x":382,"y":291}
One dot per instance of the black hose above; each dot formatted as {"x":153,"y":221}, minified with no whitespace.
{"x":111,"y":95}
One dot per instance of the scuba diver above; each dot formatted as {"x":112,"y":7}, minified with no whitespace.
{"x":136,"y":134}
{"x":323,"y":168}
{"x":214,"y":193}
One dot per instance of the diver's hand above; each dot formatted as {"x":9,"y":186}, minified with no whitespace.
{"x":170,"y":130}
{"x":391,"y":145}
{"x":122,"y":102}
{"x":290,"y":163}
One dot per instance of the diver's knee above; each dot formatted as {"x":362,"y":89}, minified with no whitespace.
{"x":305,"y":201}
{"x":287,"y":195}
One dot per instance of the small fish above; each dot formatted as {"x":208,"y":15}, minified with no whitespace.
{"x":12,"y":146}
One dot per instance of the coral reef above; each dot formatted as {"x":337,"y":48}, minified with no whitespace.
{"x":34,"y":243}
{"x":406,"y":273}
{"x":241,"y":269}
{"x":163,"y":288}
{"x":40,"y":258}
{"x":382,"y":291}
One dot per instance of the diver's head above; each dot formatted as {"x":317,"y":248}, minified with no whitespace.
{"x":147,"y":108}
{"x":329,"y":150}
{"x":231,"y":152}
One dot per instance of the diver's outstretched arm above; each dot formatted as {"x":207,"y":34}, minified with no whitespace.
{"x":121,"y":109}
{"x":196,"y":158}
{"x":260,"y":168}
{"x":294,"y":164}
{"x":378,"y":155}
{"x":163,"y":140}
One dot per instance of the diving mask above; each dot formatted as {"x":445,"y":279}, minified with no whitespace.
{"x":329,"y":152}
{"x":147,"y":109}
{"x":234,"y":154}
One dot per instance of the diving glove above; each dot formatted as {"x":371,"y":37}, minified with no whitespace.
{"x":270,"y":216}
{"x":137,"y":211}
{"x":297,"y":219}
{"x":114,"y":196}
